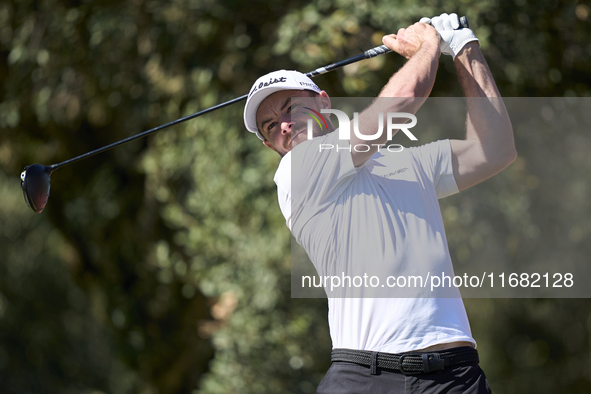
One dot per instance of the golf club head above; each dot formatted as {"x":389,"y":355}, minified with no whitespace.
{"x":35,"y":184}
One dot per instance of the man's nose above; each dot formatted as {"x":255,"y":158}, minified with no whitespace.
{"x":286,"y":125}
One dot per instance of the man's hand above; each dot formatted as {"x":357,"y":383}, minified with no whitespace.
{"x":453,"y":39}
{"x":407,"y":42}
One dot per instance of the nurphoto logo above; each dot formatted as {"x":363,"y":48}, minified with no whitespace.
{"x":345,"y":128}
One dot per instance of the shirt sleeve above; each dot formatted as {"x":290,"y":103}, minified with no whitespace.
{"x":435,"y":160}
{"x":283,"y":181}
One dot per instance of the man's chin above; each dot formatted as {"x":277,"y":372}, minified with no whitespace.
{"x":298,"y":138}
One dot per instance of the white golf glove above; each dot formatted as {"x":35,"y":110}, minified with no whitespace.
{"x":453,"y":38}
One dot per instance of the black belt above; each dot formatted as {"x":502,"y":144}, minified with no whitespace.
{"x":408,"y":363}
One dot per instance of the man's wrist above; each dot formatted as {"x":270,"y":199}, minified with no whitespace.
{"x":431,"y":45}
{"x":467,"y":51}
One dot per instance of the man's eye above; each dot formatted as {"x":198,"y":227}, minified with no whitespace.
{"x":271,"y":126}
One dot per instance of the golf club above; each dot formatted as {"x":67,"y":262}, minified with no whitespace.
{"x":35,"y":178}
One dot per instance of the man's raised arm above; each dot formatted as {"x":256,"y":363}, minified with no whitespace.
{"x":489,"y":146}
{"x":419,"y":43}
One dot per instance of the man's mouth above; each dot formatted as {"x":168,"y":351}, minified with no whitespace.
{"x":296,"y":134}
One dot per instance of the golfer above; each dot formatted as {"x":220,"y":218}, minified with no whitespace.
{"x":355,"y":210}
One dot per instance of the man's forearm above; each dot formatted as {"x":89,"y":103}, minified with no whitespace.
{"x":474,"y":73}
{"x":413,"y":82}
{"x":407,"y":89}
{"x":417,"y":77}
{"x":487,"y":121}
{"x":489,"y":146}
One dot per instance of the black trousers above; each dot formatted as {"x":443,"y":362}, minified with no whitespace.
{"x":349,"y":378}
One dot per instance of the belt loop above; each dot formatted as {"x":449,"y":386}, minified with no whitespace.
{"x":374,"y":363}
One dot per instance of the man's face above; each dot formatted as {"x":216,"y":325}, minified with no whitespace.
{"x":282,"y":119}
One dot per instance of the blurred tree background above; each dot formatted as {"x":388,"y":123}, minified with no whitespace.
{"x":163,"y":266}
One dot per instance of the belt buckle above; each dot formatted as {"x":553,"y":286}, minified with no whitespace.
{"x":401,"y":360}
{"x":431,"y":362}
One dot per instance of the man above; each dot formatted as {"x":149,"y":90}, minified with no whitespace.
{"x":359,"y":209}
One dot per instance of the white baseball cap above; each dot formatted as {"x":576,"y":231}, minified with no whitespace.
{"x":269,"y":84}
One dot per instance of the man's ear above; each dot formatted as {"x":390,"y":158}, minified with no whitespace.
{"x":268,"y":144}
{"x":324,"y":99}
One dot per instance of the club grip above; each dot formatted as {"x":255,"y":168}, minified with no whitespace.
{"x":464,"y":22}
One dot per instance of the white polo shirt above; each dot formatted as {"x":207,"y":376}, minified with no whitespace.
{"x":381,"y":219}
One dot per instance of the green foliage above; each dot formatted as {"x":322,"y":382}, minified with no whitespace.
{"x":163,"y":266}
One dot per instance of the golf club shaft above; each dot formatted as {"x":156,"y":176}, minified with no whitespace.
{"x":148,"y":132}
{"x":379,"y":50}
